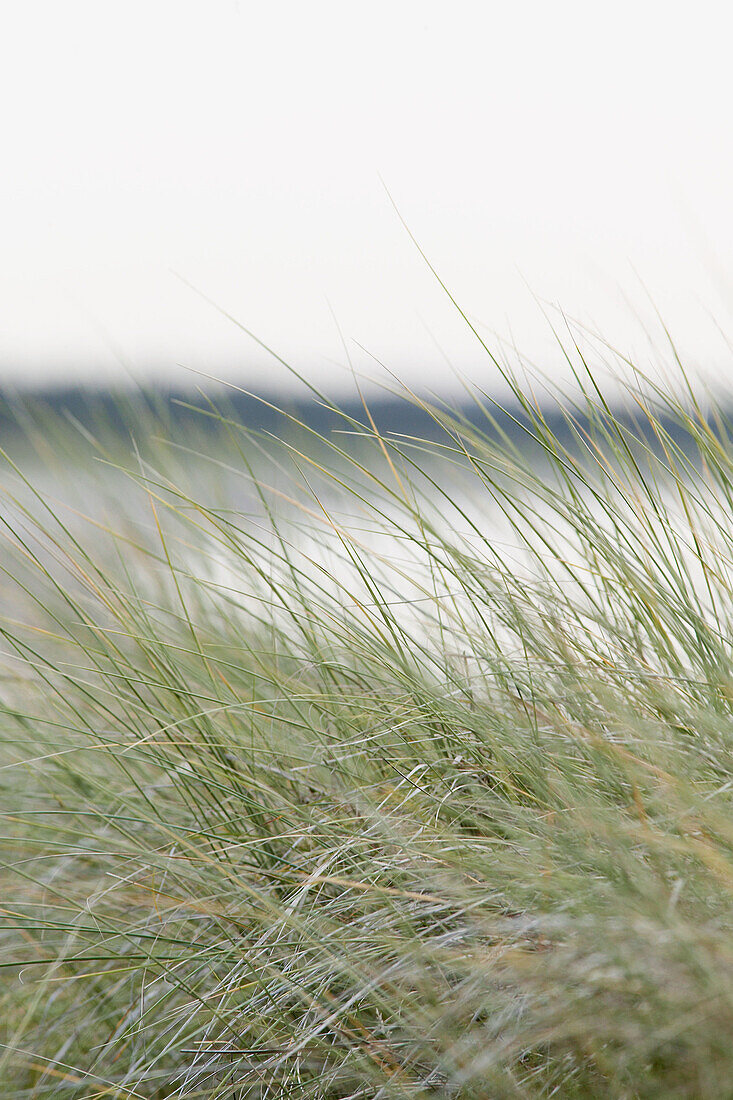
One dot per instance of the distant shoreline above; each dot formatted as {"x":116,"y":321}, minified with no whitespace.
{"x":120,"y":410}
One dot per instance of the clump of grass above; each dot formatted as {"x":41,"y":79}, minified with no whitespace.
{"x":403,"y":771}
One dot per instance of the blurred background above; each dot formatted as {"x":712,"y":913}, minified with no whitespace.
{"x":162,"y":156}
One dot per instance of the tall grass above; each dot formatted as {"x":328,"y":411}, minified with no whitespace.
{"x":375,"y":767}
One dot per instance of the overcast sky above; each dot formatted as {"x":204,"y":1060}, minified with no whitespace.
{"x":572,"y":152}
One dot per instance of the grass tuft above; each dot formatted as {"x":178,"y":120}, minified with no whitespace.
{"x":350,"y":765}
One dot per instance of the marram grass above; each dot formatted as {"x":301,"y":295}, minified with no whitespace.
{"x":378,"y":768}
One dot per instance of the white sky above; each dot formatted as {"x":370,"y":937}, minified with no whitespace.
{"x":560,"y":147}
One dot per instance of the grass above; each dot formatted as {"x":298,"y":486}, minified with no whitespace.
{"x":359,"y":767}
